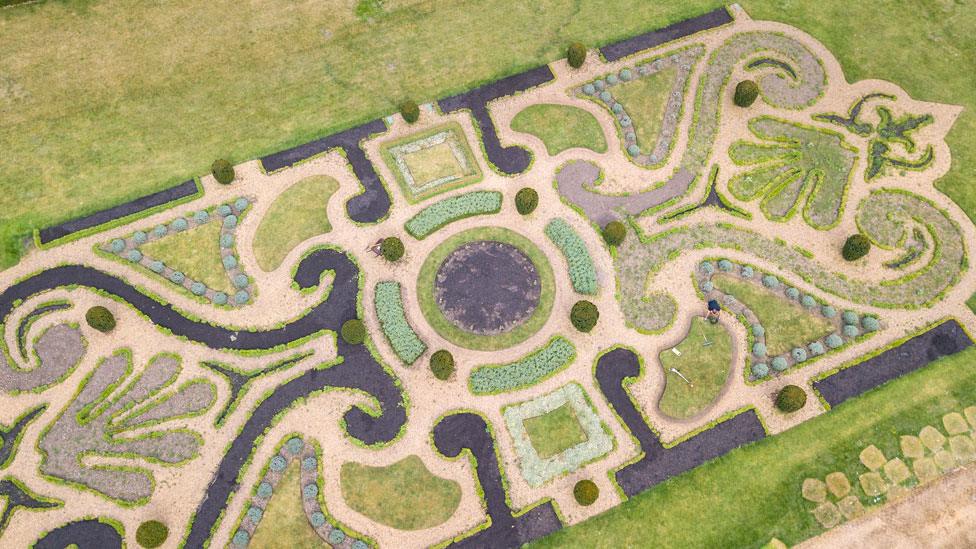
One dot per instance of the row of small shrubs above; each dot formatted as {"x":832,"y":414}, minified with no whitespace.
{"x":452,"y":209}
{"x":393,"y":321}
{"x":582,"y":273}
{"x":529,"y":370}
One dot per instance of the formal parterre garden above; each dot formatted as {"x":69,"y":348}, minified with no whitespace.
{"x":488,"y":325}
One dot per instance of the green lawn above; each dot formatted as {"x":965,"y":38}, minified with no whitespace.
{"x":706,"y":367}
{"x":428,"y":165}
{"x":284,"y":523}
{"x":404,"y":495}
{"x":561,"y":127}
{"x":296,"y":215}
{"x":555,"y":431}
{"x":752,"y":494}
{"x":195,"y":252}
{"x":971,"y":302}
{"x":644,"y":99}
{"x":788,"y":324}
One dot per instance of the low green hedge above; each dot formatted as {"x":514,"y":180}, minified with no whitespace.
{"x":582,"y":273}
{"x":452,"y":209}
{"x":393,"y":321}
{"x":527,"y":371}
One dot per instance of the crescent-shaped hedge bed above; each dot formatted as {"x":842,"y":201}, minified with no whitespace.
{"x":525,"y":372}
{"x":389,"y":309}
{"x":452,"y":209}
{"x":582,"y":273}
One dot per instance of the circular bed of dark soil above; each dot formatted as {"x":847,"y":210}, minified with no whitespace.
{"x":487,"y":287}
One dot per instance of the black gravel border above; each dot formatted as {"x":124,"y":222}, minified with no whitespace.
{"x":630,"y":46}
{"x":945,"y":339}
{"x":509,"y":160}
{"x":86,"y":534}
{"x":367,"y":207}
{"x":16,"y":498}
{"x":183,"y":190}
{"x":466,"y":430}
{"x":10,"y":436}
{"x":660,"y":463}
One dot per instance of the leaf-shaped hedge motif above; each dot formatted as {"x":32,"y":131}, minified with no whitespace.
{"x":794,"y":162}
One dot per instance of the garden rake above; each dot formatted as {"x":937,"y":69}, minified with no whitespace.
{"x":706,"y":343}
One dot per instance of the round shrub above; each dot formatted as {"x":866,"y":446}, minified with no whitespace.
{"x":779,"y":363}
{"x":632,"y":149}
{"x":612,"y":79}
{"x":353,"y":331}
{"x":586,"y":492}
{"x":828,"y":311}
{"x":576,"y":55}
{"x":770,"y":281}
{"x":201,"y":217}
{"x":255,"y":514}
{"x":226,"y":240}
{"x":241,"y":281}
{"x":198,"y":288}
{"x":589,"y":89}
{"x":100,"y":318}
{"x":855,"y":247}
{"x":626,"y":75}
{"x":809,"y":301}
{"x":220,"y":298}
{"x":229,"y":262}
{"x":410,"y":111}
{"x":793,"y":293}
{"x":241,"y":297}
{"x":605,"y":96}
{"x":760,"y":370}
{"x":265,"y":490}
{"x":746,"y":93}
{"x":706,"y":267}
{"x":159,"y":231}
{"x":599,"y":84}
{"x":151,"y":533}
{"x":817,"y":348}
{"x":799,"y":354}
{"x":278,"y":464}
{"x":157,"y":266}
{"x":176,"y":277}
{"x":758,"y":330}
{"x":791,"y":398}
{"x":870,"y":324}
{"x":584,"y":315}
{"x":392,"y":248}
{"x":241,"y":204}
{"x":179,"y":224}
{"x":834,"y":341}
{"x":614,"y":233}
{"x":134,"y":256}
{"x":725,"y":265}
{"x":747,"y":272}
{"x":442,"y":364}
{"x":309,"y":491}
{"x":222,"y":171}
{"x":359,"y":544}
{"x":241,"y":538}
{"x":309,"y":463}
{"x":707,"y":286}
{"x":318,"y":519}
{"x":336,"y":536}
{"x":617,"y":108}
{"x":625,"y":121}
{"x":850,"y":317}
{"x":526,"y":200}
{"x":140,"y":237}
{"x":295,"y":445}
{"x":850,"y":330}
{"x":759,"y":349}
{"x":230,"y":221}
{"x":224,"y":209}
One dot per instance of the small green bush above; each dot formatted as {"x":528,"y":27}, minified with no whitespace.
{"x":870,"y":324}
{"x":793,"y":293}
{"x":442,"y":364}
{"x":779,"y":364}
{"x":100,"y":318}
{"x":410,"y":111}
{"x":586,"y":492}
{"x":706,"y":267}
{"x":151,"y":533}
{"x":614,"y":233}
{"x":791,"y":398}
{"x":828,"y":311}
{"x":799,"y":354}
{"x":746,"y":93}
{"x":353,"y":331}
{"x":817,"y":348}
{"x":747,"y":272}
{"x":809,"y":301}
{"x":392,"y":248}
{"x":834,"y":341}
{"x":576,"y":54}
{"x":758,"y":330}
{"x":725,"y":265}
{"x":850,"y":317}
{"x":760,"y":370}
{"x":526,"y":200}
{"x":851,"y":330}
{"x":223,"y":171}
{"x":856,"y":247}
{"x":770,"y":281}
{"x":759,"y":349}
{"x":584,"y":315}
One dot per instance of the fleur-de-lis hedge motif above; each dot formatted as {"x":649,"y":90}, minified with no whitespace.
{"x":794,"y":162}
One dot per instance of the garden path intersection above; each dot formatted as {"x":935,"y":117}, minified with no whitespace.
{"x":757,"y":198}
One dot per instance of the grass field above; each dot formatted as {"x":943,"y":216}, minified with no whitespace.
{"x":555,"y":431}
{"x":644,"y":99}
{"x":752,"y":494}
{"x":787,"y":323}
{"x":404,"y":495}
{"x":561,"y":128}
{"x":299,"y":213}
{"x":706,"y":366}
{"x":284,"y":523}
{"x":195,"y":252}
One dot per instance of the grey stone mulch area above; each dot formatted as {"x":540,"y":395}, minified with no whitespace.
{"x":59,"y":349}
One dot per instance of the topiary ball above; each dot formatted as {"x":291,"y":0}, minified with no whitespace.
{"x":758,"y":330}
{"x":809,"y":301}
{"x":850,"y":317}
{"x":241,"y":297}
{"x":241,"y":204}
{"x":336,"y":536}
{"x":855,"y":247}
{"x":318,"y":519}
{"x":759,"y":349}
{"x":584,"y":315}
{"x":392,"y":248}
{"x":791,"y":398}
{"x":410,"y":111}
{"x":159,"y":231}
{"x":576,"y":55}
{"x":100,"y":318}
{"x":151,"y":533}
{"x":614,"y":233}
{"x":725,"y":265}
{"x":198,"y":288}
{"x":817,"y":348}
{"x":770,"y":281}
{"x":265,"y":490}
{"x":157,"y":266}
{"x":224,"y":209}
{"x":353,"y":331}
{"x":223,"y":171}
{"x":589,"y":89}
{"x":226,"y":240}
{"x":220,"y":298}
{"x":229,"y":262}
{"x":255,"y":514}
{"x":309,"y":491}
{"x":201,"y":217}
{"x":586,"y":492}
{"x":526,"y":200}
{"x":278,"y":464}
{"x":241,"y":538}
{"x":179,"y":224}
{"x":834,"y":341}
{"x":140,"y":237}
{"x":442,"y":364}
{"x":799,"y":354}
{"x":850,"y":330}
{"x":779,"y":364}
{"x":870,"y":324}
{"x":230,"y":221}
{"x":760,"y":370}
{"x":746,"y":93}
{"x":134,"y":256}
{"x":632,"y":149}
{"x":176,"y":277}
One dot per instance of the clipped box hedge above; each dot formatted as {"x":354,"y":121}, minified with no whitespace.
{"x":449,"y":210}
{"x":389,"y":309}
{"x":582,"y":273}
{"x":529,"y":370}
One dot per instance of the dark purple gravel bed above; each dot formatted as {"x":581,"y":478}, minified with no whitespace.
{"x":945,"y":339}
{"x":183,"y":190}
{"x":630,"y":46}
{"x":86,"y":534}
